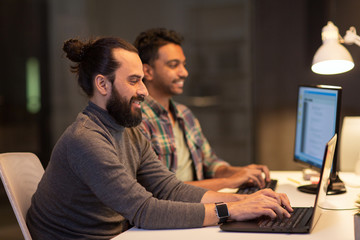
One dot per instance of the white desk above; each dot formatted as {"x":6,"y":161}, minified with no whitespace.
{"x":333,"y":224}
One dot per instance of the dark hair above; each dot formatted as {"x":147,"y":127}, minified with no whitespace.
{"x":149,"y":42}
{"x":94,"y":57}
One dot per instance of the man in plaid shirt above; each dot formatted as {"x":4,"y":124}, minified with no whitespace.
{"x":173,"y":130}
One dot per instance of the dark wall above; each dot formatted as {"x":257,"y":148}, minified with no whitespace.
{"x":286,"y":35}
{"x":23,"y":25}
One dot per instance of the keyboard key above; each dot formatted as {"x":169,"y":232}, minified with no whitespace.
{"x":292,"y":222}
{"x":246,"y":189}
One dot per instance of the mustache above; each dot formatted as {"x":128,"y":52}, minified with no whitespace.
{"x":139,"y":98}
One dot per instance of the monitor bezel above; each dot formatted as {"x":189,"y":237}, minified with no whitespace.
{"x":337,"y":124}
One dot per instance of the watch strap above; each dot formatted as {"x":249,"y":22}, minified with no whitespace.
{"x":222,"y":212}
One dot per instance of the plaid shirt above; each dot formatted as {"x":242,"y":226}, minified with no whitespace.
{"x":157,"y":127}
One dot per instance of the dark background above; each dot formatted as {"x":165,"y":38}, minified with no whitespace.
{"x":246,"y":59}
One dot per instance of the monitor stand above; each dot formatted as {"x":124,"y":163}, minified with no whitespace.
{"x":310,"y":188}
{"x":336,"y":186}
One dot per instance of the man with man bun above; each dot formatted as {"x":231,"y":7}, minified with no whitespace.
{"x":103,"y":175}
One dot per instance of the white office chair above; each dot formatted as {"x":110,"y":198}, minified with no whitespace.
{"x":350,"y":144}
{"x":20,"y":174}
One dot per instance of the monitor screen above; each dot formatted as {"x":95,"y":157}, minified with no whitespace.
{"x":318,"y":111}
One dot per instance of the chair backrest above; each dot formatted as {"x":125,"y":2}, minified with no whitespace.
{"x":20,"y":174}
{"x":350,"y":143}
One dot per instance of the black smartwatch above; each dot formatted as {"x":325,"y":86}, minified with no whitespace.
{"x":222,"y":212}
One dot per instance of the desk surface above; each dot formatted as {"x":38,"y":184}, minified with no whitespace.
{"x":335,"y":223}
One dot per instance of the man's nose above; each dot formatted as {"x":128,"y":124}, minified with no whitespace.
{"x":183,"y":71}
{"x":142,"y":90}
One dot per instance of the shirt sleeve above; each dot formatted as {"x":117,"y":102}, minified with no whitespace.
{"x":210,"y":160}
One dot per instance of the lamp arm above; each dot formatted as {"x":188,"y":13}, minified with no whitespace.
{"x":351,"y":37}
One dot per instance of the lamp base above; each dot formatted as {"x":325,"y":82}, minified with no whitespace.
{"x":336,"y":186}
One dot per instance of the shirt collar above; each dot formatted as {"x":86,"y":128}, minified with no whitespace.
{"x":159,"y":109}
{"x":94,"y":111}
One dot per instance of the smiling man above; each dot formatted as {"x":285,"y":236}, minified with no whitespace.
{"x":103,"y":175}
{"x":173,"y":130}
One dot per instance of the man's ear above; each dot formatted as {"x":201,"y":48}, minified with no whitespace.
{"x":148,"y":72}
{"x":102,"y":85}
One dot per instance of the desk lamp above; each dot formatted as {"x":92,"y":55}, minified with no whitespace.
{"x":332,"y":57}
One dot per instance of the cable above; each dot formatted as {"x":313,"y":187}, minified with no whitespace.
{"x":339,"y":209}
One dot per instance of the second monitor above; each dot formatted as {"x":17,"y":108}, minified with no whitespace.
{"x":318,"y":114}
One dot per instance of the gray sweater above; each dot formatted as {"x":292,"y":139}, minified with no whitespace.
{"x":103,"y":177}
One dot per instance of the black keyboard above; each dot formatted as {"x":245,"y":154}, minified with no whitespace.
{"x":248,"y":189}
{"x":298,"y":216}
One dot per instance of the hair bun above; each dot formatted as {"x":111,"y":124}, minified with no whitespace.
{"x":75,"y":49}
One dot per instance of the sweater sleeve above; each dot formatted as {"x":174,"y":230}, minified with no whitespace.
{"x":138,"y":187}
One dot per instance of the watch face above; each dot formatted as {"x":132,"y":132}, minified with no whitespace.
{"x":222,"y":212}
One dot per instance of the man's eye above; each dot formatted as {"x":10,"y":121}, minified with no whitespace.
{"x":133,"y":82}
{"x":173,"y":65}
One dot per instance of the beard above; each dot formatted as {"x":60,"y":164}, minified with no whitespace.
{"x":120,"y":109}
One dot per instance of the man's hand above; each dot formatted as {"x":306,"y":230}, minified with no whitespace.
{"x":253,"y":174}
{"x":245,"y":207}
{"x":264,"y":169}
{"x":262,"y":203}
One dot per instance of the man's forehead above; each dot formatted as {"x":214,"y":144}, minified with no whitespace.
{"x":127,"y":58}
{"x":129,"y":62}
{"x":171,"y":51}
{"x":124,"y":55}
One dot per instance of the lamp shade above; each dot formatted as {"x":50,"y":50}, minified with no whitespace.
{"x":331,"y":57}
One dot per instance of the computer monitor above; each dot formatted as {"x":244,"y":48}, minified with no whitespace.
{"x":318,"y":114}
